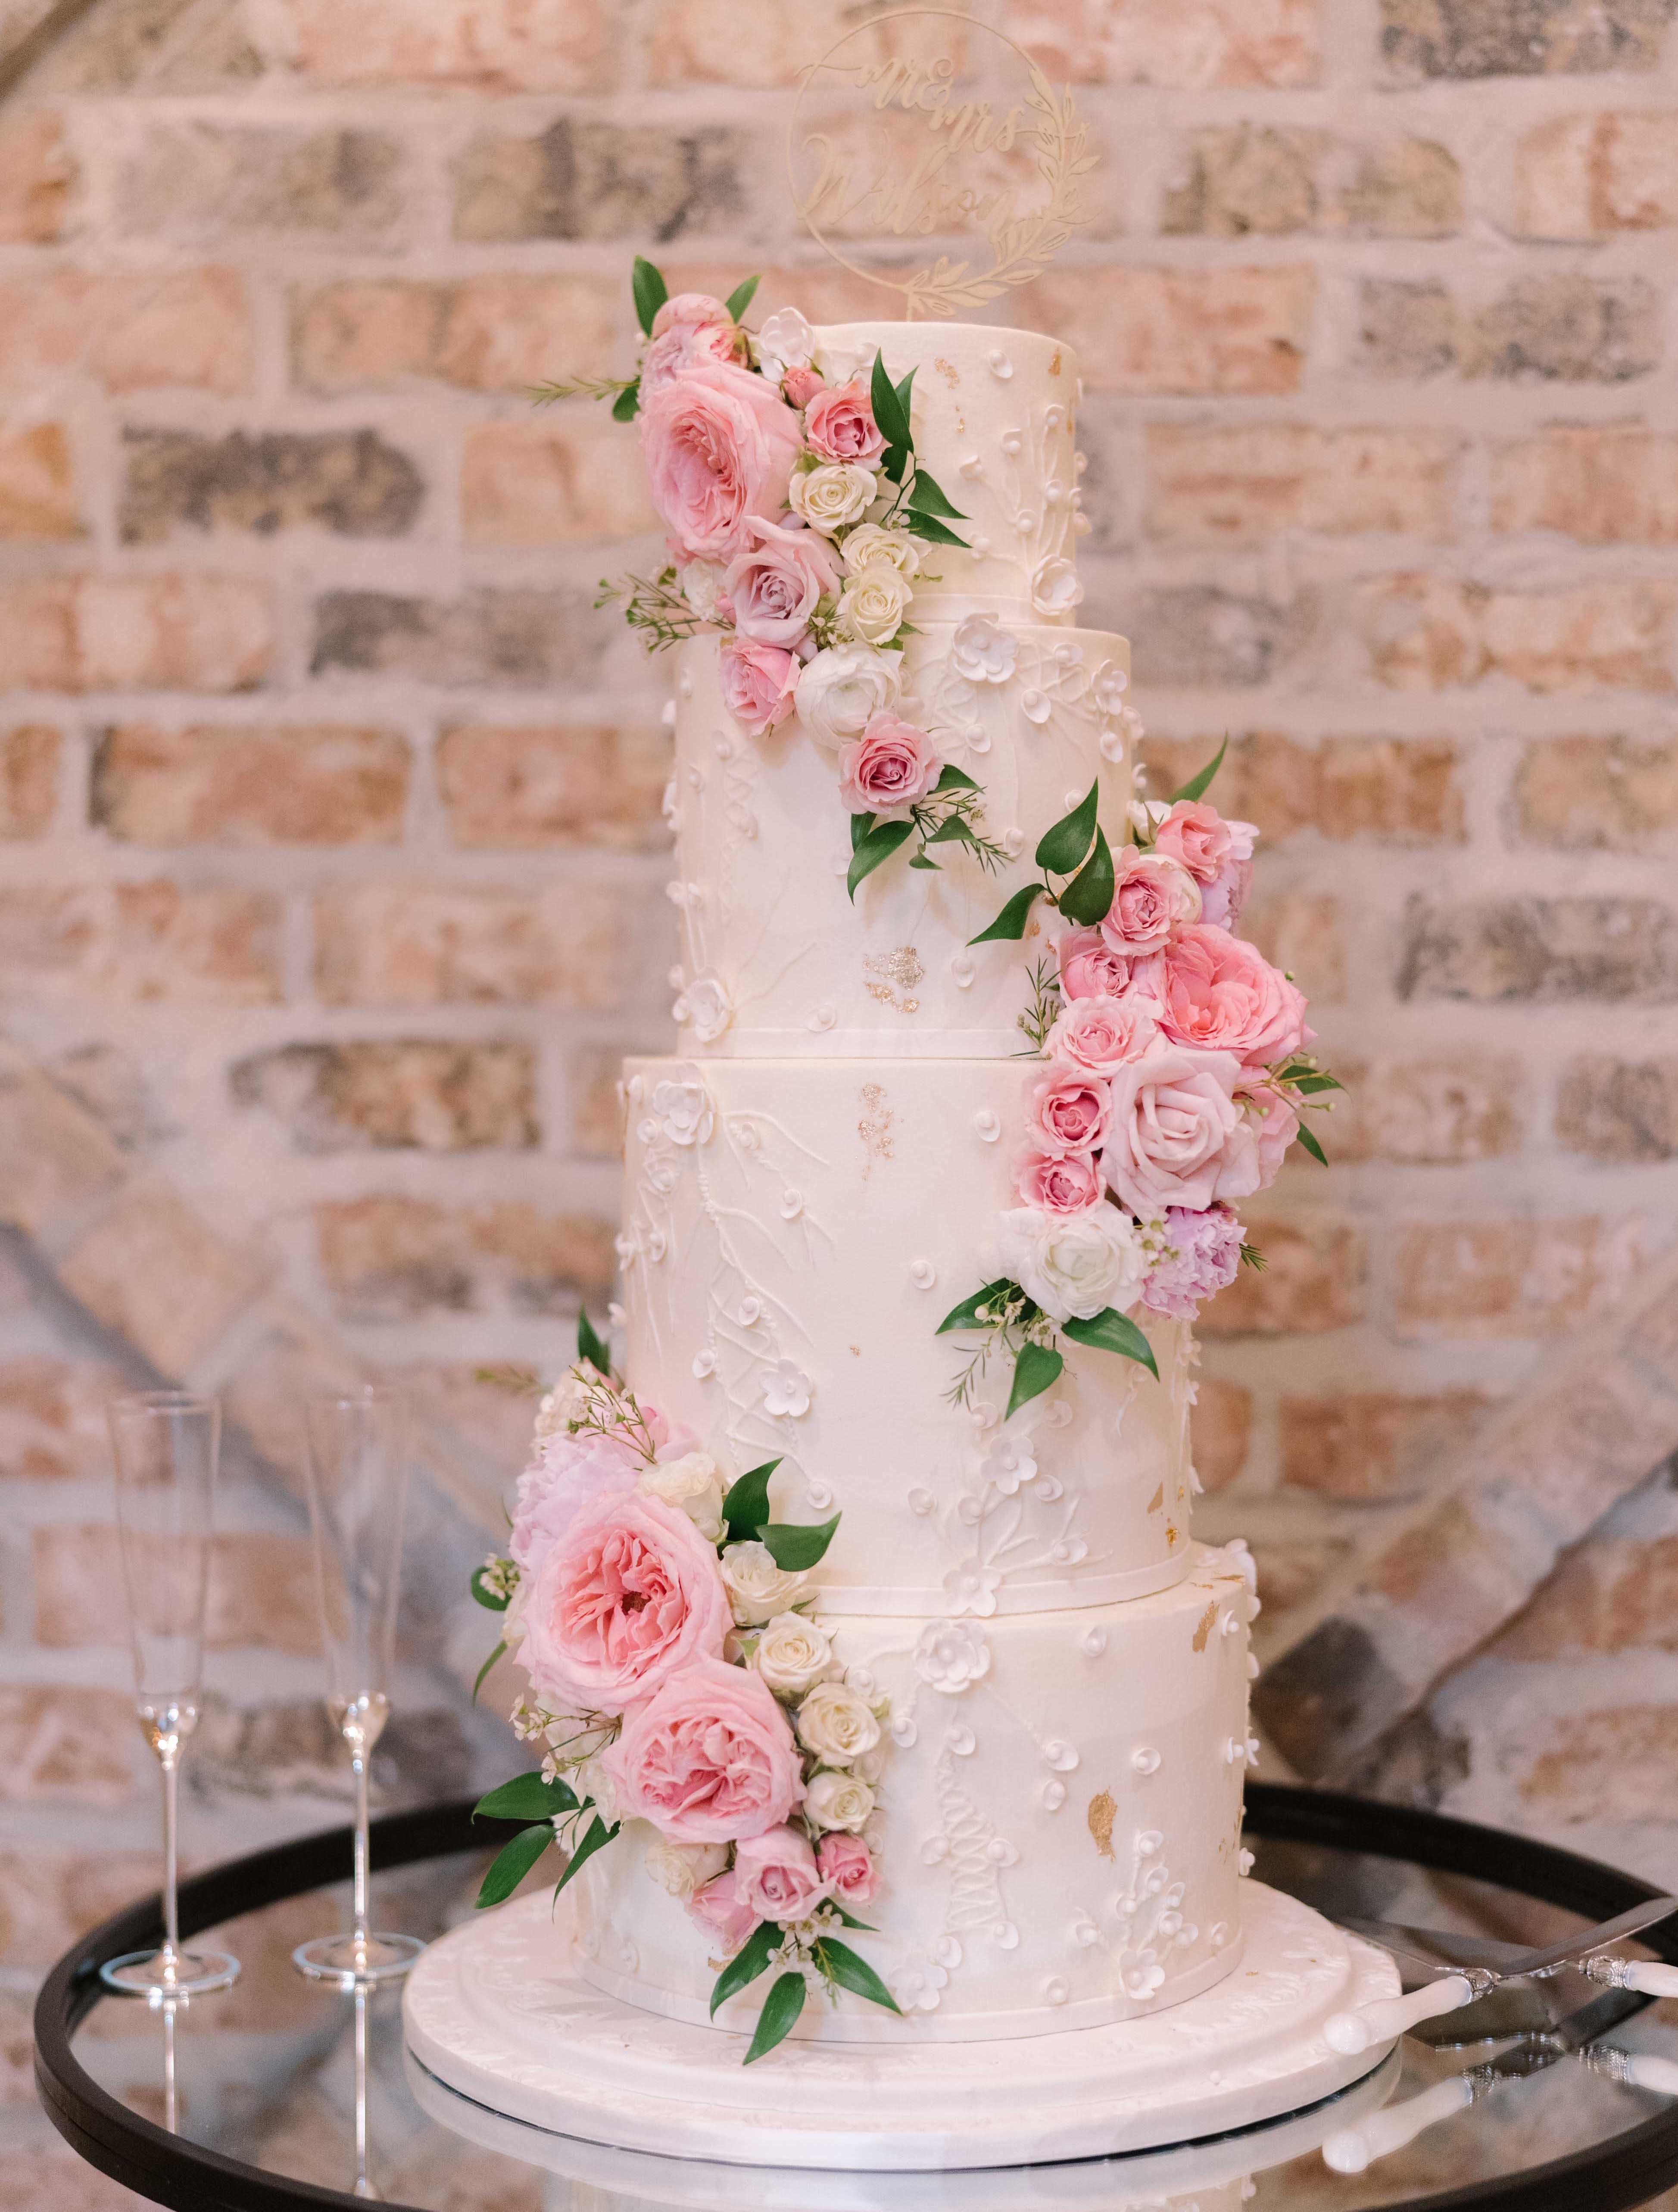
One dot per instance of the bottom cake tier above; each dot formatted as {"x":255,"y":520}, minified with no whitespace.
{"x":1057,"y":1825}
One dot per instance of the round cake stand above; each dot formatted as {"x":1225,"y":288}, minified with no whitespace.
{"x":495,"y":2011}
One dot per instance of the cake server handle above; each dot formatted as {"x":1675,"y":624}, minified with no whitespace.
{"x":1353,"y":2148}
{"x":1648,"y":1976}
{"x":1349,"y":2032}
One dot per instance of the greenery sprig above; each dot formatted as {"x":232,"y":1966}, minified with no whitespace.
{"x":1014,"y":1326}
{"x":921,"y":506}
{"x":949,"y":815}
{"x":656,"y":606}
{"x":1075,"y":848}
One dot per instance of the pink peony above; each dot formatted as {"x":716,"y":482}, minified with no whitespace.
{"x":719,"y":444}
{"x":709,"y":1760}
{"x":1073,"y":1185}
{"x":891,"y":764}
{"x":630,"y":1596}
{"x":1274,"y":1121}
{"x":1198,"y":838}
{"x":839,"y":425}
{"x":690,"y":329}
{"x":1205,"y":1258}
{"x":777,"y":1876}
{"x":719,"y":1911}
{"x":800,"y":386}
{"x":846,"y":1866}
{"x":1102,"y":1034}
{"x":1064,"y":1110}
{"x":1177,"y":1137}
{"x":1219,"y":995}
{"x":1151,"y":897}
{"x":776,"y":584}
{"x":1223,"y":898}
{"x":759,"y":683}
{"x":1089,"y":968}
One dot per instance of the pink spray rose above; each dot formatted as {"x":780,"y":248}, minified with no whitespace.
{"x":691,"y":328}
{"x":719,"y":1910}
{"x":1100,"y":1035}
{"x":1205,"y":1258}
{"x":1219,"y":994}
{"x":776,"y":583}
{"x":719,"y":443}
{"x":1089,"y":968}
{"x":1177,"y":1136}
{"x":759,"y":683}
{"x":709,"y":1760}
{"x":839,"y":425}
{"x":846,"y":1866}
{"x":777,"y":1876}
{"x":1151,"y":897}
{"x":1064,"y":1110}
{"x":1072,"y":1185}
{"x":630,"y":1596}
{"x":800,"y":386}
{"x":891,"y":764}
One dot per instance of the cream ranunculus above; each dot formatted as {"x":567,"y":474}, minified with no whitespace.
{"x":830,"y":496}
{"x":868,"y":541}
{"x":872,"y":604}
{"x":835,"y":1723}
{"x":693,"y":1484}
{"x":757,"y":1588}
{"x":842,"y":690}
{"x":793,"y":1655}
{"x":838,"y":1801}
{"x":1077,"y":1265}
{"x":684,"y":1867}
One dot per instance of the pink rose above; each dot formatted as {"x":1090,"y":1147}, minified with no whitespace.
{"x":839,"y":425}
{"x":759,"y":682}
{"x":1177,"y":1137}
{"x":799,"y":386}
{"x":631,"y":1595}
{"x":1198,"y":838}
{"x":1219,"y":994}
{"x":719,"y":443}
{"x":1100,"y":1035}
{"x":567,"y":1474}
{"x":1274,"y":1120}
{"x":846,"y":1866}
{"x":1151,"y":897}
{"x":776,"y":584}
{"x":719,"y":1911}
{"x":891,"y":764}
{"x":1073,"y":1185}
{"x":709,"y":1760}
{"x":691,"y":328}
{"x":1204,"y":1258}
{"x":1064,"y":1110}
{"x":777,"y":1876}
{"x":1089,"y":969}
{"x":1223,"y":898}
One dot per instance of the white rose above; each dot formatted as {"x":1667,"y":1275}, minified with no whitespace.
{"x":793,"y":1655}
{"x":980,"y":652}
{"x":835,"y":1723}
{"x":842,"y":690}
{"x":757,"y":1588}
{"x":684,"y":1867}
{"x":838,"y":1801}
{"x":836,"y":493}
{"x":868,"y":541}
{"x":786,"y":341}
{"x":1074,"y":1264}
{"x":872,"y":604}
{"x":702,"y":580}
{"x":1056,"y":589}
{"x":704,"y":1008}
{"x":693,"y":1484}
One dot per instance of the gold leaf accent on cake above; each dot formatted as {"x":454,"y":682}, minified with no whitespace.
{"x":1156,"y":1503}
{"x":1204,"y":1626}
{"x":1103,"y":1813}
{"x":874,"y":1125}
{"x":891,"y":978}
{"x":948,"y":371}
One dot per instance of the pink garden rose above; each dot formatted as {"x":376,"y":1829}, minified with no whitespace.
{"x":777,"y":1876}
{"x":1177,"y":1137}
{"x":800,"y":386}
{"x":839,"y":425}
{"x":691,"y":328}
{"x":1064,"y":1110}
{"x":1204,"y":1258}
{"x":709,"y":1760}
{"x":1151,"y":897}
{"x":1099,"y":1035}
{"x":719,"y":1911}
{"x":569,"y":1471}
{"x":891,"y":764}
{"x":719,"y":443}
{"x":1218,"y":993}
{"x":1089,"y":968}
{"x":775,"y":584}
{"x":1223,"y":898}
{"x":759,"y":683}
{"x":630,"y":1596}
{"x":846,"y":1866}
{"x":1053,"y":1185}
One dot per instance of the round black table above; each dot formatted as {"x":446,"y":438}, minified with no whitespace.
{"x":263,"y":2082}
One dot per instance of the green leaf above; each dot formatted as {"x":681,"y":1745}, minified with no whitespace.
{"x":1308,"y":1086}
{"x":850,"y":1918}
{"x":1087,"y":898}
{"x":483,"y":1671}
{"x":935,"y":533}
{"x":491,"y":1600}
{"x":778,"y":2017}
{"x":650,"y":293}
{"x":954,"y":778}
{"x":1035,"y":1368}
{"x":596,"y":1840}
{"x":903,"y":388}
{"x":954,"y":831}
{"x":1061,"y":849}
{"x":890,"y":415}
{"x":747,"y":1504}
{"x":860,"y":825}
{"x":895,"y":462}
{"x":1111,"y":1331}
{"x":927,"y":496}
{"x":852,"y":1972}
{"x":966,"y":1315}
{"x":797,"y":1544}
{"x":627,"y":405}
{"x":881,"y":842}
{"x":1012,"y":922}
{"x":527,"y":1798}
{"x":921,"y":861}
{"x":589,"y":1345}
{"x":741,"y":297}
{"x":1197,"y":785}
{"x":509,"y":1867}
{"x":751,"y":1960}
{"x":1308,"y":1138}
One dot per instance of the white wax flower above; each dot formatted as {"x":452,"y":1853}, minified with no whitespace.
{"x":872,"y":604}
{"x":838,"y":1801}
{"x":832,"y":494}
{"x":693,"y":1483}
{"x":793,"y":1655}
{"x":835,"y":1723}
{"x":681,"y":1868}
{"x":843,"y":688}
{"x":1073,"y":1265}
{"x":757,"y":1588}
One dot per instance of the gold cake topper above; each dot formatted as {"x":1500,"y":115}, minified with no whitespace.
{"x":940,"y":148}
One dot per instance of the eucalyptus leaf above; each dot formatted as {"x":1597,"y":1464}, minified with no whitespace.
{"x":852,"y":1972}
{"x":1010,"y":922}
{"x":741,"y":298}
{"x":751,"y":1960}
{"x":598,"y":1838}
{"x":627,"y":405}
{"x":797,"y":1546}
{"x":966,"y":1315}
{"x":1308,"y":1138}
{"x":527,"y":1798}
{"x":778,"y":2017}
{"x":1062,"y":847}
{"x":1035,"y":1371}
{"x":929,"y":497}
{"x":483,"y":1671}
{"x":1088,"y":896}
{"x":650,"y":292}
{"x":1112,"y":1331}
{"x":491,"y":1600}
{"x":590,"y":1346}
{"x":881,"y":842}
{"x":1198,"y":785}
{"x":747,"y":1504}
{"x":509,"y":1867}
{"x":891,"y":416}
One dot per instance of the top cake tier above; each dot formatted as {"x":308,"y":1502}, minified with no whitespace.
{"x":993,"y":413}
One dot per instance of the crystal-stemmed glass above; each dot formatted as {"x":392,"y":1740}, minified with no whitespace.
{"x":167,"y":1446}
{"x":358,"y":1461}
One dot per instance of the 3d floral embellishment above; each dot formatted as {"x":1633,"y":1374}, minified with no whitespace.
{"x":1056,"y":589}
{"x":705,"y":1008}
{"x":1009,"y":1461}
{"x":704,"y":1365}
{"x":950,"y":1656}
{"x":784,"y":340}
{"x":981,"y":652}
{"x":971,"y":1587}
{"x":919,"y":1984}
{"x":683,"y":1111}
{"x":1109,"y":686}
{"x":786,"y":1391}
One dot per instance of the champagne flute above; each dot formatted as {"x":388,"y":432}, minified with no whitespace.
{"x":166,"y":1445}
{"x":358,"y":1459}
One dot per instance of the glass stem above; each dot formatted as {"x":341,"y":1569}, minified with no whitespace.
{"x":358,"y":1762}
{"x":171,"y":1960}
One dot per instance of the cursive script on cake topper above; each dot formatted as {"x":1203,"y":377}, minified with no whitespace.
{"x":937,"y":149}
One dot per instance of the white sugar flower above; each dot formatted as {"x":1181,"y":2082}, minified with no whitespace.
{"x":972,"y":1589}
{"x":838,"y":1801}
{"x":684,"y":1867}
{"x":683,"y":1111}
{"x":1056,"y":589}
{"x":951,"y":1656}
{"x":786,"y":341}
{"x":1109,"y":683}
{"x":1073,"y":1264}
{"x":786,"y":1391}
{"x":872,"y":604}
{"x":757,"y":1588}
{"x":868,"y":541}
{"x":843,"y":688}
{"x":835,"y":1723}
{"x":1009,"y":1461}
{"x":793,"y":1655}
{"x":693,"y":1483}
{"x":832,"y":494}
{"x":919,"y":1984}
{"x":981,"y":653}
{"x":705,"y":1008}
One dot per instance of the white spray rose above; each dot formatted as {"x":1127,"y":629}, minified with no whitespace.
{"x":843,"y":688}
{"x":793,"y":1655}
{"x":757,"y":1588}
{"x":868,"y":541}
{"x":838,"y":1801}
{"x":693,"y":1483}
{"x":835,"y":1723}
{"x":684,"y":1867}
{"x":1074,"y":1264}
{"x":832,"y":494}
{"x":872,"y":604}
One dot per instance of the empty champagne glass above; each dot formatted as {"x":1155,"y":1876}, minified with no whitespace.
{"x":166,"y":1444}
{"x":358,"y":1458}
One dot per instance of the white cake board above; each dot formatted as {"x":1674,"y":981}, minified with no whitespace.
{"x":495,"y":2011}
